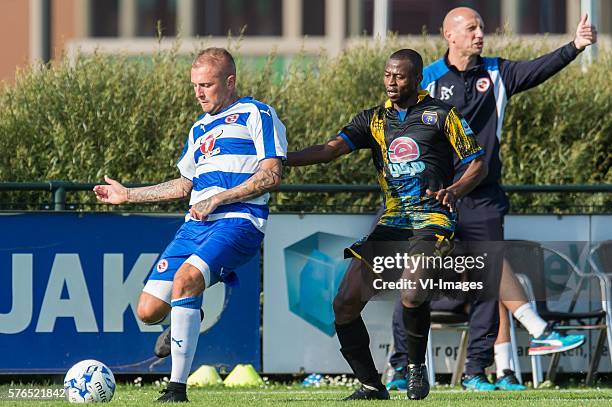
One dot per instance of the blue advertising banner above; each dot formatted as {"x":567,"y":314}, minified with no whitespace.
{"x":69,"y":286}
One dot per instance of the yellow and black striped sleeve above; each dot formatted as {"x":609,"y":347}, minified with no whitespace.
{"x":461,"y":137}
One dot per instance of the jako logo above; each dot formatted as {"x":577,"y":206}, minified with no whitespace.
{"x":66,"y":291}
{"x":403,"y":149}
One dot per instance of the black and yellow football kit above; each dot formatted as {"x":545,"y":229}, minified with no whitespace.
{"x":412,"y":152}
{"x":413,"y":155}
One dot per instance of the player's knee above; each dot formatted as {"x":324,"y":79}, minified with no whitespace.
{"x":344,"y":311}
{"x":188,"y":282}
{"x":148,"y":315}
{"x":410,"y":299}
{"x":151,"y":310}
{"x":338,"y":306}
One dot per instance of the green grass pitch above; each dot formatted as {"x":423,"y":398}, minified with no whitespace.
{"x":129,"y":395}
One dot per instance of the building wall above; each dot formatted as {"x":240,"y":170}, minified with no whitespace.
{"x":14,"y":37}
{"x":125,"y":25}
{"x":63,"y":25}
{"x":606,"y":17}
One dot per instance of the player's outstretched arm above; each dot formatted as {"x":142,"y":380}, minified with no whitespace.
{"x":115,"y":193}
{"x":321,"y":153}
{"x":475,"y":173}
{"x":267,"y":178}
{"x":519,"y":76}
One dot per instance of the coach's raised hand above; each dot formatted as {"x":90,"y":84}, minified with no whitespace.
{"x":586,"y":34}
{"x":113,"y":192}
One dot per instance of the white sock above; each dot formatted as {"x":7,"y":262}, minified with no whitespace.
{"x":502,"y":358}
{"x":185,"y":327}
{"x":530,"y":319}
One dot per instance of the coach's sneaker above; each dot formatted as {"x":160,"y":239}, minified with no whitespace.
{"x":162,"y":344}
{"x":417,"y":387}
{"x":174,"y":393}
{"x":477,"y":382}
{"x":369,"y":393}
{"x":554,"y":342}
{"x":509,"y":382}
{"x":398,"y":381}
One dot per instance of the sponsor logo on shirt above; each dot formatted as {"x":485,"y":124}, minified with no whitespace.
{"x":207,"y":144}
{"x":446,"y":92}
{"x":403,"y":153}
{"x":483,"y":84}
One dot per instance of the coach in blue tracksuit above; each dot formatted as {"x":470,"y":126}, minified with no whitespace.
{"x":480,"y":88}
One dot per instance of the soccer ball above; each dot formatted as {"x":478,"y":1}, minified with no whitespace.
{"x":89,"y":381}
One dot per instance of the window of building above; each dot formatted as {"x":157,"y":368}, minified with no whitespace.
{"x":313,"y":17}
{"x":359,"y":17}
{"x":104,"y":18}
{"x":542,"y":16}
{"x":256,"y":17}
{"x":149,"y":12}
{"x":416,"y":16}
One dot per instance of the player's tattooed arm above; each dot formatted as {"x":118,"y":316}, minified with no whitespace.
{"x":115,"y":193}
{"x":166,"y":191}
{"x":266,"y":179}
{"x":321,"y":153}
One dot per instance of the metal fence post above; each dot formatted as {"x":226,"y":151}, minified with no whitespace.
{"x":59,"y":198}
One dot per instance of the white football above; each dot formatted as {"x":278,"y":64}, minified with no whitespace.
{"x":89,"y":381}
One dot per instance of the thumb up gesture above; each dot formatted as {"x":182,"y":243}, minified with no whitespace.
{"x":586,"y":34}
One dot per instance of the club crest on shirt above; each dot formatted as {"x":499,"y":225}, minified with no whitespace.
{"x":403,"y":153}
{"x":232,"y":118}
{"x":162,"y":265}
{"x":207,"y":144}
{"x":430,"y":118}
{"x":483,"y":84}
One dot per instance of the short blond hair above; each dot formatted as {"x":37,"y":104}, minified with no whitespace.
{"x":219,"y":57}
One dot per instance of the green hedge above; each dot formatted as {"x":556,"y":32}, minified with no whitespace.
{"x":128,"y":118}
